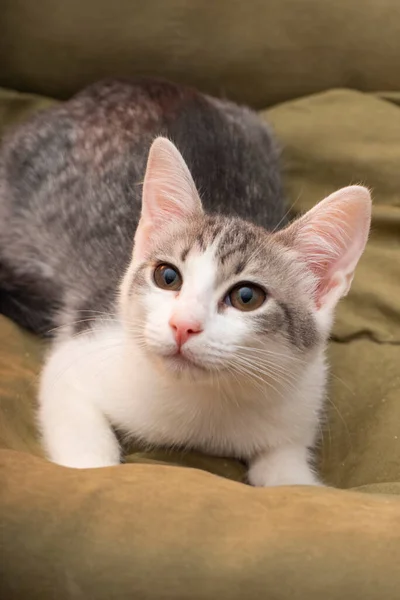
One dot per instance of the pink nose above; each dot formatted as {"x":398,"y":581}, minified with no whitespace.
{"x":183,"y":329}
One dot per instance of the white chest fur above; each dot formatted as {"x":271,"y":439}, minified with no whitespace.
{"x":221,"y":415}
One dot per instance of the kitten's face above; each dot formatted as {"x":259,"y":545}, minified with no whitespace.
{"x":216,"y":293}
{"x":221,"y":294}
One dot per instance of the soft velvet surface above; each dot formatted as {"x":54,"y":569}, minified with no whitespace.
{"x":256,"y":51}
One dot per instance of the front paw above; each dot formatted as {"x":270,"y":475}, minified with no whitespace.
{"x":87,"y":464}
{"x":85,"y":461}
{"x":279,"y":468}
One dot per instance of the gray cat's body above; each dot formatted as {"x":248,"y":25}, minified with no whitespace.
{"x":70,"y":190}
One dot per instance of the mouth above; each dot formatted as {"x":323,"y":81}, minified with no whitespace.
{"x":180,"y":363}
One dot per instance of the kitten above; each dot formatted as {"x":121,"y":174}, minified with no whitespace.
{"x":191,"y":327}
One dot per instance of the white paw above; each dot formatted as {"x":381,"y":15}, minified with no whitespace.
{"x":267,"y":478}
{"x":88,"y":460}
{"x":86,"y":464}
{"x":281,"y":467}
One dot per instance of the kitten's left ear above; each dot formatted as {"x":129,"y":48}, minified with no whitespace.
{"x":169,"y":194}
{"x":330,"y":239}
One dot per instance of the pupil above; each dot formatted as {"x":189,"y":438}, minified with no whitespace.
{"x":169,"y":276}
{"x":246,"y":295}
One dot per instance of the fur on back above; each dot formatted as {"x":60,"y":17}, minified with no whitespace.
{"x":71,"y":186}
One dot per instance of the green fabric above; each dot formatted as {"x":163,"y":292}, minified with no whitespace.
{"x":152,"y":529}
{"x":257,"y":51}
{"x":165,"y":533}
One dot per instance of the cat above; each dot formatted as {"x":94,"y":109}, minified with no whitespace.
{"x":145,"y":224}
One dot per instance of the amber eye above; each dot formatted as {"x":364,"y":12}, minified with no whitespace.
{"x":167,"y":277}
{"x":246,"y":297}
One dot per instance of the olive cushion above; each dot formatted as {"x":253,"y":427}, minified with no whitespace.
{"x":172,"y":525}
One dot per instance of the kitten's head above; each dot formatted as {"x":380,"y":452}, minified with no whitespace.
{"x":216,"y":293}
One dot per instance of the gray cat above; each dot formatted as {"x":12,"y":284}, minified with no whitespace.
{"x":70,"y":189}
{"x":144,"y":221}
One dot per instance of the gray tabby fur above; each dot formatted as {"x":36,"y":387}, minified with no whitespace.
{"x":70,"y":193}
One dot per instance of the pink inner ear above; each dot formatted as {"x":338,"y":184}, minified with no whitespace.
{"x":331,"y":238}
{"x":169,"y":194}
{"x":169,"y":191}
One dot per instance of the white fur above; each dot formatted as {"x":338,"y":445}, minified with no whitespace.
{"x":104,"y":378}
{"x":113,"y":376}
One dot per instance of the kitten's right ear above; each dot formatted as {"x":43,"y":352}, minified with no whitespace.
{"x":169,"y":194}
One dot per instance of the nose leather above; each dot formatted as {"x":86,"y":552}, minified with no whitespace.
{"x":184,"y":328}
